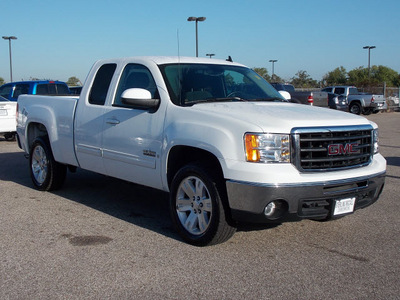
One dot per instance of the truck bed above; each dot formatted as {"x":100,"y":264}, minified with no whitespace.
{"x":58,"y":122}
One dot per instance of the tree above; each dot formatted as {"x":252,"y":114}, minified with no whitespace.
{"x":336,"y":77}
{"x":263,"y":72}
{"x":303,"y":80}
{"x":385,"y":74}
{"x":1,"y":80}
{"x":73,"y":81}
{"x":359,"y":77}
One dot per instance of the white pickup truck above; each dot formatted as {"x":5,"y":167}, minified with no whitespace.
{"x":215,"y":135}
{"x":7,"y":118}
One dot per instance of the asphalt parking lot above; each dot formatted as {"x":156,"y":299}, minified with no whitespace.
{"x":101,"y":238}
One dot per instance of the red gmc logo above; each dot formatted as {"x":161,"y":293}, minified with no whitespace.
{"x":341,"y":149}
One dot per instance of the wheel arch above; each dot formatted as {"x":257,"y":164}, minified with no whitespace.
{"x":33,"y":131}
{"x":358,"y":101}
{"x":180,"y":156}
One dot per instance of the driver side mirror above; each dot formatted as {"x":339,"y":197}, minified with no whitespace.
{"x":139,"y":98}
{"x":285,"y":95}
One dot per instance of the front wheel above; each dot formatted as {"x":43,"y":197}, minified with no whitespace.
{"x":197,"y":207}
{"x":46,"y":173}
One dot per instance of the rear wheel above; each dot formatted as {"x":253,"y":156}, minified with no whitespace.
{"x":46,"y":173}
{"x":197,"y":207}
{"x":355,"y":108}
{"x":367,"y":111}
{"x":10,"y":136}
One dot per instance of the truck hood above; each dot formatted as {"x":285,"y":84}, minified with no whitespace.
{"x":280,"y":117}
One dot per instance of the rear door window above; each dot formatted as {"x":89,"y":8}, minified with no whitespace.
{"x":62,"y":89}
{"x":339,"y":91}
{"x":20,"y":89}
{"x":98,"y":93}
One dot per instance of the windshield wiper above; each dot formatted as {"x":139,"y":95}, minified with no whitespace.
{"x":215,"y":100}
{"x":268,"y":99}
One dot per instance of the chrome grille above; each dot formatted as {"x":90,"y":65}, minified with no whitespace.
{"x":333,"y":148}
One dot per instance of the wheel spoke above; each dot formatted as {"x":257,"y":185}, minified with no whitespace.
{"x":203,"y":221}
{"x":183,"y":205}
{"x":191,"y":222}
{"x":188,"y":188}
{"x":207,"y":205}
{"x":200,"y":187}
{"x":36,"y":155}
{"x":35,"y":167}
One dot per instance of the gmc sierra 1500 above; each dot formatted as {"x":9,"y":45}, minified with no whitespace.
{"x":214,"y":134}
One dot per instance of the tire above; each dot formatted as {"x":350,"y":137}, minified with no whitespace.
{"x":355,"y":108}
{"x":46,"y":173}
{"x":9,"y":136}
{"x":366,"y":111}
{"x":197,"y":207}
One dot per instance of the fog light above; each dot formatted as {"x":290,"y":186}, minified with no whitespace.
{"x":276,"y":209}
{"x":270,"y":209}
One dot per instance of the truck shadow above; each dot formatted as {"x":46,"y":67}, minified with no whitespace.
{"x":14,"y":167}
{"x":136,"y":204}
{"x":393,"y":161}
{"x":132,"y":203}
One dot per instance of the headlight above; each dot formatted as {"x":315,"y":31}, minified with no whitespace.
{"x":267,"y":148}
{"x":376,"y":140}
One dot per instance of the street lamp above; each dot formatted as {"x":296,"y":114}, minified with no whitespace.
{"x":9,"y":38}
{"x":273,"y":61}
{"x":197,"y":19}
{"x":210,"y":55}
{"x":369,"y":58}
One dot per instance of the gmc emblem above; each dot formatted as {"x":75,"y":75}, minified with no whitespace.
{"x":342,"y":149}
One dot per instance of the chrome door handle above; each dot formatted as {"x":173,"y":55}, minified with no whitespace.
{"x":112,"y":121}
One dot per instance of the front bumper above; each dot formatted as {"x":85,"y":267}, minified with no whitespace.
{"x":313,"y":201}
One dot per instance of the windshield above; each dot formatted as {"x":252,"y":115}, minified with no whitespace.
{"x":189,"y":84}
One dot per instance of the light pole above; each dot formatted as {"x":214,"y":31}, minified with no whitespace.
{"x":369,"y":59}
{"x":9,"y":38}
{"x":197,"y":19}
{"x":273,"y":61}
{"x":210,"y":55}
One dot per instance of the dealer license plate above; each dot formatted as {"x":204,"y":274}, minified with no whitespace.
{"x":344,"y":206}
{"x":3,"y":112}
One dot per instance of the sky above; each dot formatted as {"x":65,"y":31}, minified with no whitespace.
{"x":60,"y":39}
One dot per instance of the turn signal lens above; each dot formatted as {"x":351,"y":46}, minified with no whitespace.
{"x":252,"y":152}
